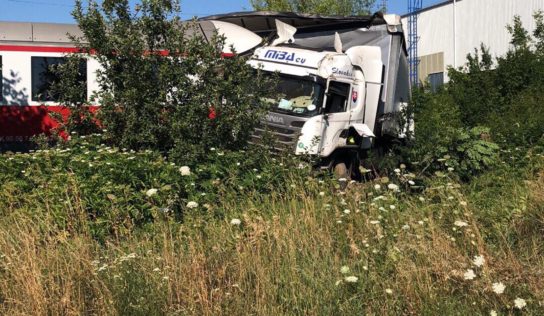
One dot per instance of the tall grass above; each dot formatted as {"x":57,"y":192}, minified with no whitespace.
{"x":292,"y":253}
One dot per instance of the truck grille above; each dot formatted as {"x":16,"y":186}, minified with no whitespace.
{"x":284,"y":138}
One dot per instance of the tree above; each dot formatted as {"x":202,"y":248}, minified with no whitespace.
{"x":324,"y":7}
{"x":161,"y":86}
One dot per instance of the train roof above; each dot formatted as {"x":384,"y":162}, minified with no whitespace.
{"x":32,"y":32}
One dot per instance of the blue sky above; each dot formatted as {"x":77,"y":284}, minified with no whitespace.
{"x":59,"y":10}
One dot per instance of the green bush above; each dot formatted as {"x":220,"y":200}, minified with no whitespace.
{"x":485,"y":103}
{"x":504,"y":95}
{"x":118,"y":190}
{"x":162,"y":86}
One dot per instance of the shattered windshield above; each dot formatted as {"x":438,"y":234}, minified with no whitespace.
{"x":297,"y":96}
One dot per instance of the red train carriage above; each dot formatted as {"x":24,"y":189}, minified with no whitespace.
{"x":28,"y":49}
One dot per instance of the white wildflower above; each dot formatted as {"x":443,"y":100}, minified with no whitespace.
{"x":374,"y":222}
{"x":342,"y":179}
{"x":469,"y":274}
{"x":406,"y":227}
{"x":156,"y":270}
{"x":498,"y":287}
{"x":410,"y":182}
{"x":420,"y":222}
{"x":397,"y":170}
{"x":346,"y":211}
{"x":492,"y":313}
{"x":185,"y":170}
{"x":351,"y":279}
{"x":520,"y":303}
{"x":389,"y":291}
{"x":235,"y":221}
{"x":344,"y":270}
{"x":478,"y":261}
{"x":377,"y":187}
{"x":321,"y":193}
{"x":151,"y":192}
{"x":422,"y":199}
{"x":392,"y":207}
{"x":460,"y":223}
{"x":393,"y":187}
{"x":192,"y":204}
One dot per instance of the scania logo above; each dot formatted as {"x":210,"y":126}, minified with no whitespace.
{"x":274,"y":119}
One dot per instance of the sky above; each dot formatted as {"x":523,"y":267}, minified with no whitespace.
{"x":58,"y":11}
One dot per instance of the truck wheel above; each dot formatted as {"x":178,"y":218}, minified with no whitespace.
{"x":341,"y":170}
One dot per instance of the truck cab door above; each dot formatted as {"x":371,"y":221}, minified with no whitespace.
{"x":336,"y":116}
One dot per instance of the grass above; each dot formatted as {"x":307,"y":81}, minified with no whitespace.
{"x":285,"y":258}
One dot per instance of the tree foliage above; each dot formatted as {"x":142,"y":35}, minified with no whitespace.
{"x":504,"y":94}
{"x":161,"y":86}
{"x":325,"y":7}
{"x":488,"y":100}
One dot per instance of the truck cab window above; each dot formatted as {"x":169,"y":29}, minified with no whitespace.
{"x":337,"y":97}
{"x":297,"y":96}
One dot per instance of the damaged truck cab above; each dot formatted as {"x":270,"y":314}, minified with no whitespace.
{"x":337,"y":100}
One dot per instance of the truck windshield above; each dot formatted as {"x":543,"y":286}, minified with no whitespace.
{"x":297,"y":96}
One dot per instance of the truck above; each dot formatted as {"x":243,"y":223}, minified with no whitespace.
{"x":342,"y":84}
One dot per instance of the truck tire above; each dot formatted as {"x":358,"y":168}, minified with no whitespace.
{"x":341,"y":170}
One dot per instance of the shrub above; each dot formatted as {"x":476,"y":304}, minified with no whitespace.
{"x":485,"y":102}
{"x":163,"y":86}
{"x":506,"y":94}
{"x":119,"y":190}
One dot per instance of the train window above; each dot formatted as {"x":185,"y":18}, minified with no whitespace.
{"x":43,"y":77}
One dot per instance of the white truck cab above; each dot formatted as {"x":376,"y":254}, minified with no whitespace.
{"x":335,"y":101}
